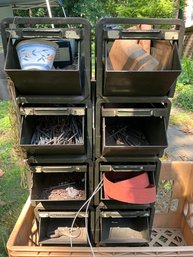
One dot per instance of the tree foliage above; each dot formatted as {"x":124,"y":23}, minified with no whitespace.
{"x":95,"y":9}
{"x":92,"y":10}
{"x":141,"y":9}
{"x":34,"y":12}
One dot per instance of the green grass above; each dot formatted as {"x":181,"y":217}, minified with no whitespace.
{"x":182,"y":118}
{"x":186,"y":76}
{"x":184,"y":97}
{"x":12,"y":195}
{"x":182,"y":114}
{"x":184,"y":89}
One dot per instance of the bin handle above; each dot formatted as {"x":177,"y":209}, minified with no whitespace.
{"x":110,"y":112}
{"x":130,"y":169}
{"x":125,"y":214}
{"x":19,"y":33}
{"x":122,"y":168}
{"x":131,"y":34}
{"x":126,"y":112}
{"x":80,"y":111}
{"x":61,"y":215}
{"x":179,"y":24}
{"x":51,"y":169}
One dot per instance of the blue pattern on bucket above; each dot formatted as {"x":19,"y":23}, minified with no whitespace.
{"x":34,"y":55}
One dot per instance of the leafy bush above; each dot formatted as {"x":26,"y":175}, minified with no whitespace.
{"x":179,"y":87}
{"x":93,"y":10}
{"x":187,"y":71}
{"x":184,"y":97}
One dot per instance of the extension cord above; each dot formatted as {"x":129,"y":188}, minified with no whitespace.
{"x":87,"y":203}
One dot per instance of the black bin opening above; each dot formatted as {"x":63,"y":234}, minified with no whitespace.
{"x":66,"y":76}
{"x":125,"y":136}
{"x":56,"y":231}
{"x":125,"y":230}
{"x":140,"y":82}
{"x":68,"y":186}
{"x":53,"y":134}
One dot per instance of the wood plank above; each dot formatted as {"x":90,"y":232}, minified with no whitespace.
{"x":145,"y":44}
{"x":163,"y":52}
{"x":118,"y":53}
{"x":125,"y":55}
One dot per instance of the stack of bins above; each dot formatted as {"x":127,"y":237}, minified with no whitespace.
{"x":61,"y":177}
{"x":130,"y":102}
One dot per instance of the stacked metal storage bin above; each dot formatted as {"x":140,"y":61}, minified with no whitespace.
{"x":127,"y":103}
{"x":130,"y":102}
{"x":45,"y":99}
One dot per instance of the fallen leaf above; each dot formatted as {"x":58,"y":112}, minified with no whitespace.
{"x":186,"y":129}
{"x":1,"y":173}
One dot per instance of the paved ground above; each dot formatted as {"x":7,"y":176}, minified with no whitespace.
{"x":180,"y":144}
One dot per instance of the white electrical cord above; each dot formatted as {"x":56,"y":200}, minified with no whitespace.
{"x":86,"y":217}
{"x":87,"y":203}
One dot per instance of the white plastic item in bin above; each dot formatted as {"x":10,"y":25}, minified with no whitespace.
{"x":36,"y":54}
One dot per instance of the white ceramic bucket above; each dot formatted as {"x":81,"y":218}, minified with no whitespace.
{"x":36,"y":54}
